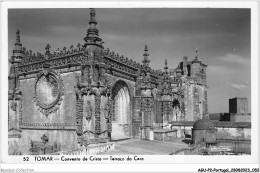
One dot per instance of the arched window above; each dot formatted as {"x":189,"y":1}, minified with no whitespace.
{"x":121,"y":102}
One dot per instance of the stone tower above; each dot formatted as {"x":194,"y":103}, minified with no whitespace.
{"x":238,"y":105}
{"x":193,"y":87}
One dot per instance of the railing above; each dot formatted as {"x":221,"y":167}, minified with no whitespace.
{"x":237,"y":146}
{"x":90,"y":150}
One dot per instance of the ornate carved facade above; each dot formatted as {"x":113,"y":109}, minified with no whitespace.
{"x":87,"y":94}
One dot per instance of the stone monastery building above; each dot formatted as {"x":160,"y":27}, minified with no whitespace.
{"x":86,"y":94}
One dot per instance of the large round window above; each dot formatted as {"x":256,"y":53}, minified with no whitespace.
{"x":47,"y":90}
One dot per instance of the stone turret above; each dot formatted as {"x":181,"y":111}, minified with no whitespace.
{"x":14,"y":94}
{"x":166,"y":66}
{"x":146,"y":61}
{"x":178,"y":72}
{"x":145,"y":74}
{"x":47,"y":52}
{"x":195,"y":65}
{"x":18,"y":52}
{"x":165,"y":88}
{"x":93,"y":69}
{"x":18,"y":55}
{"x":185,"y":62}
{"x":92,"y":38}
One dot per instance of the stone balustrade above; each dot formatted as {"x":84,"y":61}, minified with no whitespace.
{"x":93,"y":149}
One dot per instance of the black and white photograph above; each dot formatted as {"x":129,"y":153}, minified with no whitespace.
{"x":111,"y":84}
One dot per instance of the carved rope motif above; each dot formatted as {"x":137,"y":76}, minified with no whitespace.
{"x":79,"y":115}
{"x":97,"y":115}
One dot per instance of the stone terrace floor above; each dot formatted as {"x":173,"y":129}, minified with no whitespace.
{"x":144,"y":147}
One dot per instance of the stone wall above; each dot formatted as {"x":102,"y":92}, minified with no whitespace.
{"x":238,"y":105}
{"x":182,"y":131}
{"x":58,"y":126}
{"x":14,"y":114}
{"x":221,"y":133}
{"x":14,"y":146}
{"x":164,"y":134}
{"x":241,"y":118}
{"x":64,"y":117}
{"x":65,"y":138}
{"x":195,"y":102}
{"x":234,"y":133}
{"x":203,"y":135}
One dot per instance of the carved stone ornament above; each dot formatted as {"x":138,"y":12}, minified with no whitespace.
{"x":48,"y":91}
{"x":89,"y":111}
{"x":13,"y":105}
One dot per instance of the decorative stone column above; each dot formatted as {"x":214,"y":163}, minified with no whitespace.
{"x":97,"y":115}
{"x":15,"y":98}
{"x":144,"y":84}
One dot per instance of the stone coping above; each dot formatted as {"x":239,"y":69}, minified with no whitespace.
{"x":164,"y":130}
{"x":224,"y":124}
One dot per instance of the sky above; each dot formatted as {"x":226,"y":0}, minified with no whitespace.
{"x":221,"y":36}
